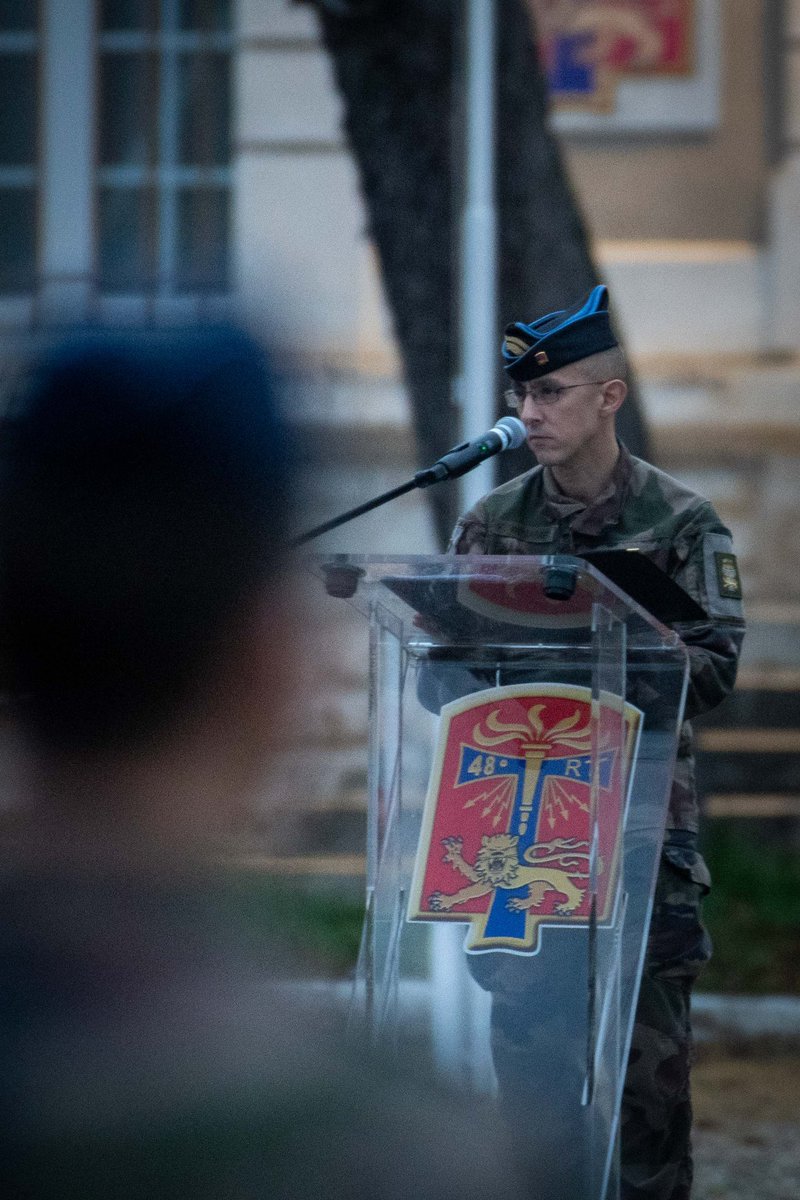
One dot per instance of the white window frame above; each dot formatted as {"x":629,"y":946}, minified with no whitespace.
{"x":167,"y":176}
{"x":15,"y":306}
{"x":68,"y":174}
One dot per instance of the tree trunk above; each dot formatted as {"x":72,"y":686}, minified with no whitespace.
{"x":398,"y":66}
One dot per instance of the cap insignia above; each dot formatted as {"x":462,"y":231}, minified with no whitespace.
{"x":516,"y":345}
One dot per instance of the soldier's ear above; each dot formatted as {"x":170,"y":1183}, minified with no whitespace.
{"x":614,"y":393}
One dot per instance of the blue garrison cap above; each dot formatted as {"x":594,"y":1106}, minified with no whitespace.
{"x":559,"y":338}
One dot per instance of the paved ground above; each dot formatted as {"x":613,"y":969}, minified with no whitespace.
{"x":747,"y":1123}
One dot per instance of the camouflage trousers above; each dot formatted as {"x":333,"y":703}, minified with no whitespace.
{"x":656,"y":1114}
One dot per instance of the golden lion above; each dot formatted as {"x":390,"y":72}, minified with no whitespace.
{"x":497,"y":865}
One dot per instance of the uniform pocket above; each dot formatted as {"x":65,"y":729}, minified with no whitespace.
{"x":688,"y":863}
{"x":679,"y":944}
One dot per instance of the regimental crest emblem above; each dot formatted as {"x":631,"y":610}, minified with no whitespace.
{"x":506,"y":832}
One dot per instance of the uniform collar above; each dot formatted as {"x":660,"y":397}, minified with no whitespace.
{"x":604,"y":510}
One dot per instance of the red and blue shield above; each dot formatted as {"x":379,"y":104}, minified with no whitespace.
{"x":523,"y":778}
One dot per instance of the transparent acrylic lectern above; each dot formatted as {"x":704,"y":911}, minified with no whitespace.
{"x":524,"y":715}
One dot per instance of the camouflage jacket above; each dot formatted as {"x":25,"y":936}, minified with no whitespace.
{"x":646,"y":509}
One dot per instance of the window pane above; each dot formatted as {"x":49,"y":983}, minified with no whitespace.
{"x":205,"y":14}
{"x":18,"y":16}
{"x":127,"y":109}
{"x":17,"y":239}
{"x":203,"y":232}
{"x":18,"y":109}
{"x":126,"y":221}
{"x":205,"y":109}
{"x":127,"y":14}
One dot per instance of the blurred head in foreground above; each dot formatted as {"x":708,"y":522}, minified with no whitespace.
{"x":146,"y":653}
{"x":143,"y":506}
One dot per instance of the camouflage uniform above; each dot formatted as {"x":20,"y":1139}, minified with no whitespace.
{"x":644,"y":508}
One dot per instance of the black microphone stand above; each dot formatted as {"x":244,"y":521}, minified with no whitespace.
{"x":384,"y":498}
{"x":341,"y":578}
{"x":456,"y":462}
{"x":447,"y":467}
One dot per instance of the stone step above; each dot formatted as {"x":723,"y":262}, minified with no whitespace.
{"x":747,"y":740}
{"x":764,"y":805}
{"x":772,"y":641}
{"x":349,"y":866}
{"x":339,"y":829}
{"x":748,"y":772}
{"x":748,"y":748}
{"x":760,"y":710}
{"x":712,"y":410}
{"x":754,"y":677}
{"x":724,"y":1018}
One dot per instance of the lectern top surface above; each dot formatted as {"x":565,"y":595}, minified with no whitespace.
{"x":507,"y":598}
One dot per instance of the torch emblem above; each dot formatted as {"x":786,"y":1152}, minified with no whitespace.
{"x":507,"y":829}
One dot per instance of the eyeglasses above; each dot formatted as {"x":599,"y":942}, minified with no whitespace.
{"x":545,"y":395}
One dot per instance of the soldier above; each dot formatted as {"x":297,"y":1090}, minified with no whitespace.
{"x":567,"y":382}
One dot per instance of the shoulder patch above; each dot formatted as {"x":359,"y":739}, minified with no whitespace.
{"x":722,"y":580}
{"x":728,"y":581}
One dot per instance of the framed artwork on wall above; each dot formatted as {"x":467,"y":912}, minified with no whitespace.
{"x":630,"y":66}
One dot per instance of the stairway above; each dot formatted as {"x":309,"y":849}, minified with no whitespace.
{"x":748,"y":749}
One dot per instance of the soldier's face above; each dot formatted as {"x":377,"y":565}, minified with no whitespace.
{"x":565,"y":417}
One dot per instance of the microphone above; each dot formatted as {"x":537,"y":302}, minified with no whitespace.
{"x":507,"y":434}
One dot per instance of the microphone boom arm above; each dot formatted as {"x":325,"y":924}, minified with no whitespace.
{"x":508,"y":433}
{"x":318,"y":530}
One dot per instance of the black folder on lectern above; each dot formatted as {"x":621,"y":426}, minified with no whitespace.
{"x":639,"y":577}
